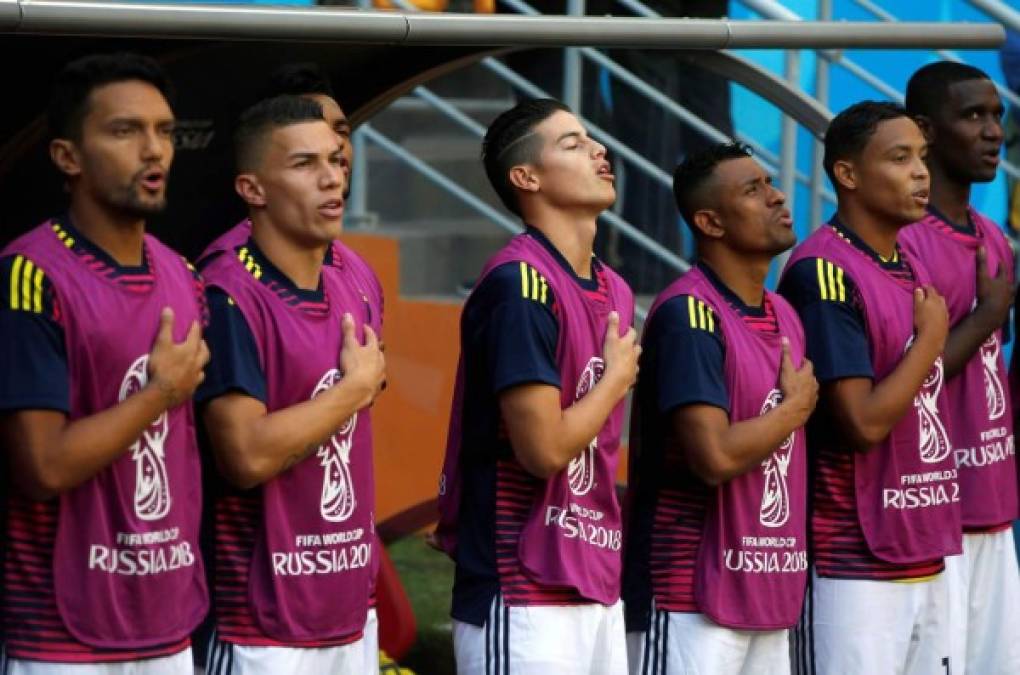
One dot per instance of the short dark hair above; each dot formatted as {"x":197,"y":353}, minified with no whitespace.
{"x":929,"y":86}
{"x":850,"y":131}
{"x":262,"y":118}
{"x":69,"y":96}
{"x":510,"y":141}
{"x":297,"y":79}
{"x":692,"y":173}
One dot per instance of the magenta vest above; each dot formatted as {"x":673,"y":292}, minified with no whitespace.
{"x":314,"y":558}
{"x":980,"y":411}
{"x":752,"y":562}
{"x":126,"y":566}
{"x":908,"y":497}
{"x":572,"y":537}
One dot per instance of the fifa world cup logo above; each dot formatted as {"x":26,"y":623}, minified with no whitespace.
{"x":995,"y":394}
{"x":934,"y":443}
{"x":775,"y":498}
{"x":337,"y":501}
{"x":152,"y":489}
{"x":581,"y":470}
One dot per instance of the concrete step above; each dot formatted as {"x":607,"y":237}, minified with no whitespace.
{"x":441,"y":257}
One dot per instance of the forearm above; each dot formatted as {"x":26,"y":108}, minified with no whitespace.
{"x":252,"y":450}
{"x":545,"y":443}
{"x":746,"y":444}
{"x":882,"y":408}
{"x":49,"y":462}
{"x":719,"y":452}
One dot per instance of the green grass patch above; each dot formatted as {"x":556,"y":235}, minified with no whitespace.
{"x":427,"y":576}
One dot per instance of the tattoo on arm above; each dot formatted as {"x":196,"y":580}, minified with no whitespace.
{"x":295,"y":458}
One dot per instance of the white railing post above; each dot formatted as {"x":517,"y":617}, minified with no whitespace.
{"x":817,"y":147}
{"x":572,"y":64}
{"x":358,"y":198}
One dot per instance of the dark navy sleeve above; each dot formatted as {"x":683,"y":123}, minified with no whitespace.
{"x":683,"y":347}
{"x":829,"y":307}
{"x":33,"y":355}
{"x":234,"y":362}
{"x":514,"y":323}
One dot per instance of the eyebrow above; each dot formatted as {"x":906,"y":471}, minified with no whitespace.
{"x":997,"y":108}
{"x":568,"y":135}
{"x":303,"y":154}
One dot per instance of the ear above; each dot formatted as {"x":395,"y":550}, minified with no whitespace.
{"x":250,"y":190}
{"x":706,"y":221}
{"x":926,"y":126}
{"x":845,"y":174}
{"x":523,"y":178}
{"x":65,"y":156}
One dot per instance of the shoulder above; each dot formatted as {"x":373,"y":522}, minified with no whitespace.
{"x":816,"y":279}
{"x":685,"y":313}
{"x":517,"y":282}
{"x":25,"y":285}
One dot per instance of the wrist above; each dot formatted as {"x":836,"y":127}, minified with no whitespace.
{"x":163,"y":393}
{"x":615,"y":383}
{"x":792,"y":413}
{"x":988,"y":317}
{"x":930,"y":343}
{"x":358,"y":389}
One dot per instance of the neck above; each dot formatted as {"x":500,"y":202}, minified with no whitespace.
{"x":573,"y":236}
{"x":301,"y":264}
{"x":879,"y":234}
{"x":120,"y":236}
{"x":950,"y":197}
{"x":744,"y":275}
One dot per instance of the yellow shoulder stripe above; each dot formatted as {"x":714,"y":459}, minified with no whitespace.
{"x":26,"y":290}
{"x":830,"y":281}
{"x":533,"y":284}
{"x":63,"y":235}
{"x":245,"y":256}
{"x":700,"y":315}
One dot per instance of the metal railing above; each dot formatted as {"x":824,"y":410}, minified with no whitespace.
{"x":999,"y":11}
{"x":786,"y":160}
{"x":772,"y":10}
{"x":944,"y":54}
{"x":515,"y":80}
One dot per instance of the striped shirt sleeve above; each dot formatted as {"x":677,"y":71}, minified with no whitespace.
{"x":828,"y":303}
{"x":33,"y":357}
{"x":684,"y":354}
{"x":513,"y":322}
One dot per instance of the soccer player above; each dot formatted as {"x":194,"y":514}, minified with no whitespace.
{"x":295,"y":365}
{"x":308,"y":81}
{"x":100,"y":350}
{"x":716,"y":557}
{"x":971,"y":265}
{"x":527,"y":495}
{"x":885,"y":495}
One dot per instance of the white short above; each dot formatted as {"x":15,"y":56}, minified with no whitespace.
{"x":864,"y":626}
{"x":688,"y":643}
{"x":175,"y":664}
{"x":984,"y":585}
{"x":541,"y":640}
{"x":356,"y":658}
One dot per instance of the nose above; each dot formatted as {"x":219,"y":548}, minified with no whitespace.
{"x":598,"y":150}
{"x":993,"y":131}
{"x":777,"y":197}
{"x":332,"y":176}
{"x":919,"y":169}
{"x":156,"y":144}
